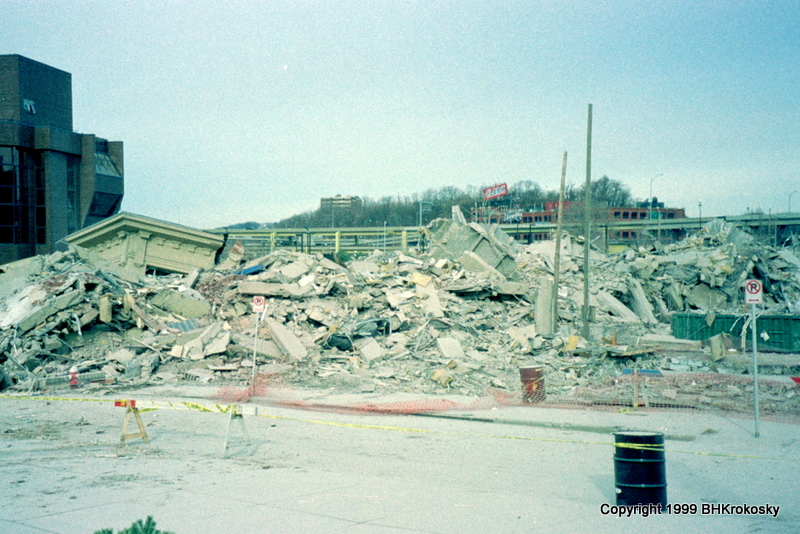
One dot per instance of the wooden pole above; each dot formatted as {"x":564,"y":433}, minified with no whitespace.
{"x":557,"y":259}
{"x":587,"y":226}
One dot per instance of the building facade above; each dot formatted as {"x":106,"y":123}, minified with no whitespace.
{"x":340,"y":202}
{"x":53,"y":181}
{"x":645,"y":218}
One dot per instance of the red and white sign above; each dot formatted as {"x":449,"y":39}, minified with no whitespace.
{"x":753,"y":292}
{"x":259,"y":303}
{"x":495,"y":191}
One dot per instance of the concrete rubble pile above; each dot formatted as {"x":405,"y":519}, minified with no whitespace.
{"x":462,"y":317}
{"x":706,"y":272}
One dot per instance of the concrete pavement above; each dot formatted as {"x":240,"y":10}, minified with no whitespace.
{"x":515,"y":469}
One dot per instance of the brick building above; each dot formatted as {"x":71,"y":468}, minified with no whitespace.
{"x":53,"y":181}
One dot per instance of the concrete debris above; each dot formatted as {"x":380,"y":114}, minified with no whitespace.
{"x":477,"y":248}
{"x":463,"y":317}
{"x":290,"y":344}
{"x":139,"y":244}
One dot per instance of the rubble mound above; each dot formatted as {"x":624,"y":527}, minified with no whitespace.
{"x":461,"y":318}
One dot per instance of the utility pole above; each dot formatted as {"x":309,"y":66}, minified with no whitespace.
{"x":587,"y":226}
{"x":650,"y":204}
{"x":700,"y":214}
{"x":557,"y":259}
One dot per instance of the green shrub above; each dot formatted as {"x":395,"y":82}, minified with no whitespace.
{"x":139,"y":527}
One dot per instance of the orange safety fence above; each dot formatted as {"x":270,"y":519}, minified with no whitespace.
{"x":779,"y":397}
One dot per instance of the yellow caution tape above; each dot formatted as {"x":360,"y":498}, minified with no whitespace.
{"x":523,"y":438}
{"x":68,"y":399}
{"x":147,"y":406}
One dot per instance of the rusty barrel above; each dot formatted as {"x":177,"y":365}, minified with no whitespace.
{"x":639,"y":468}
{"x":532,"y":384}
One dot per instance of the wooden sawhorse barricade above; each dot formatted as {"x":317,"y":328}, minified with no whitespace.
{"x":235,"y":419}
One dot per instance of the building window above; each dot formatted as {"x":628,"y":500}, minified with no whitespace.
{"x":41,"y":206}
{"x":73,"y":169}
{"x":19,"y":211}
{"x":104,"y":204}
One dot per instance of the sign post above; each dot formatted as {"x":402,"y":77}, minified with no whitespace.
{"x":260,"y":309}
{"x":753,"y":295}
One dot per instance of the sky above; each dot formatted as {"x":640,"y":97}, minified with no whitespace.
{"x":249,"y":110}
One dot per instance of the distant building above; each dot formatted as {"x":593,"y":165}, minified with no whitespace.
{"x":53,"y":181}
{"x":340,"y":202}
{"x":549,"y":215}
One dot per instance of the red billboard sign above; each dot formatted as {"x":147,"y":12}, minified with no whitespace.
{"x":495,"y":191}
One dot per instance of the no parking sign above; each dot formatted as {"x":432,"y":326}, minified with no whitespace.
{"x":259,"y":304}
{"x":753,"y":292}
{"x":753,"y":295}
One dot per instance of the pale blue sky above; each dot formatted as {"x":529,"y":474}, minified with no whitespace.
{"x":246,"y":110}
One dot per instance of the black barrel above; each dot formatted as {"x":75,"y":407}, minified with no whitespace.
{"x":640,"y":473}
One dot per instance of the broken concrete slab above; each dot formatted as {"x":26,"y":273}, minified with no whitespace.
{"x":371,"y":350}
{"x":218,"y":344}
{"x":610,"y":304}
{"x":49,"y":308}
{"x":703,"y":297}
{"x":641,"y":306}
{"x":190,"y":279}
{"x":545,"y":321}
{"x":151,"y":322}
{"x":450,"y":348}
{"x":266,"y":348}
{"x":293,"y":271}
{"x":480,"y":248}
{"x":431,"y":305}
{"x":122,"y":355}
{"x":269,"y":289}
{"x":475,"y":263}
{"x":289,"y":344}
{"x":523,"y":336}
{"x":668,"y":342}
{"x":180,"y":304}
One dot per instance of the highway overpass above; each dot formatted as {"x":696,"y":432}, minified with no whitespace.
{"x":609,"y":235}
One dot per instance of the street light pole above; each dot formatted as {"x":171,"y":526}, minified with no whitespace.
{"x":700,"y":214}
{"x":790,"y":200}
{"x":650,"y":211}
